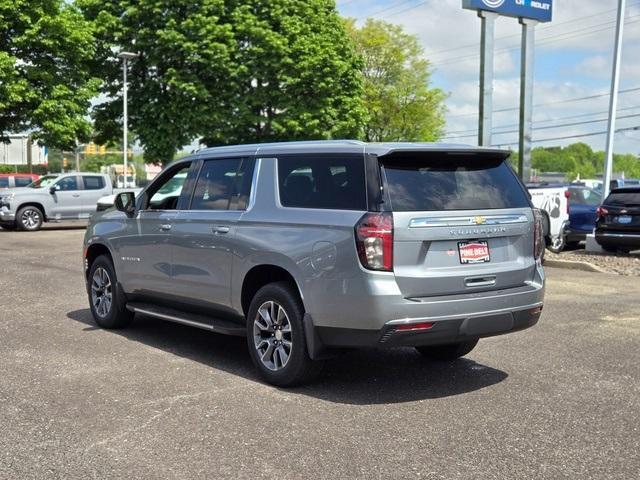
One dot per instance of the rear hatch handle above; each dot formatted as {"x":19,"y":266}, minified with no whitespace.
{"x":487,"y":281}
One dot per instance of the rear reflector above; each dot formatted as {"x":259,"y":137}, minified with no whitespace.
{"x":411,"y":327}
{"x":535,"y":311}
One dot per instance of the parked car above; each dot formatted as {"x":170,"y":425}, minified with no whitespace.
{"x":553,"y":201}
{"x":309,"y":247}
{"x":618,"y":224}
{"x":16,"y":180}
{"x":569,"y":213}
{"x":53,"y":197}
{"x":583,"y":204}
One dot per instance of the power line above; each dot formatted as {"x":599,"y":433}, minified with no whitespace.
{"x":547,"y":127}
{"x":546,"y":104}
{"x":543,"y":41}
{"x":386,"y":9}
{"x":569,"y":137}
{"x":544,"y":28}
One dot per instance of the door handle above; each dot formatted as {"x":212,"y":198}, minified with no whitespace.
{"x":75,"y":195}
{"x":220,"y":229}
{"x":165,"y":227}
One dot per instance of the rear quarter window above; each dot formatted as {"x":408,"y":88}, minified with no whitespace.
{"x":331,"y":182}
{"x":439,"y":182}
{"x":23,"y":181}
{"x":93,"y":182}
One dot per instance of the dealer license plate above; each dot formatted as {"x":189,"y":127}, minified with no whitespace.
{"x":474,"y":252}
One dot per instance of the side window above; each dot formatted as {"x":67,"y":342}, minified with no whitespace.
{"x":93,"y":182}
{"x":322,"y":182}
{"x":68,"y":184}
{"x":217,"y":183}
{"x":22,"y":181}
{"x":165,"y":195}
{"x":4,"y":182}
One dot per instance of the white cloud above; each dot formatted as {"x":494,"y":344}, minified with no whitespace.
{"x":580,"y":28}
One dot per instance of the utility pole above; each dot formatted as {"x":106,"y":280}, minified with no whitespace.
{"x":526,"y":97}
{"x":613,"y":100}
{"x":487,"y":36}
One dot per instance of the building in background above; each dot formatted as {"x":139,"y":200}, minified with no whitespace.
{"x":17,"y":152}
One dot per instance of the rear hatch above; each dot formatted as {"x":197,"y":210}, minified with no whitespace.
{"x":463,"y":222}
{"x":623,"y":212}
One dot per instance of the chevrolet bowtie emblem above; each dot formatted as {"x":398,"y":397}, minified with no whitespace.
{"x":480,"y":220}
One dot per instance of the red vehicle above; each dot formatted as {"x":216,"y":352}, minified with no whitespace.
{"x":13,"y":180}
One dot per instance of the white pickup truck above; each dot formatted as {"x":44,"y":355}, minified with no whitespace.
{"x":553,"y":201}
{"x":65,"y":196}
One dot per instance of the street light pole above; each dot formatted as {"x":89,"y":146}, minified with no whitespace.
{"x":613,"y":100}
{"x":125,"y":56}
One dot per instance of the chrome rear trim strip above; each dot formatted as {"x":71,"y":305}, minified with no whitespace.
{"x":467,"y":221}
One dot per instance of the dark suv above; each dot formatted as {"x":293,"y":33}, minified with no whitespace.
{"x":618,"y":224}
{"x":311,"y":247}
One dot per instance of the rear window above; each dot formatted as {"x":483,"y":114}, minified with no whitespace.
{"x":584,"y":196}
{"x":448,"y":182}
{"x":93,"y":183}
{"x":322,"y":182}
{"x":624,"y":199}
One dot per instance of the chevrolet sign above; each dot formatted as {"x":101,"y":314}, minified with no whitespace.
{"x":540,"y":10}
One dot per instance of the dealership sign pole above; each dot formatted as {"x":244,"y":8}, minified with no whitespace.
{"x":529,"y":13}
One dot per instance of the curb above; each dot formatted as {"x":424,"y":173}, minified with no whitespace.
{"x":573,"y":265}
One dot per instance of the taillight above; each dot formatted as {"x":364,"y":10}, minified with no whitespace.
{"x":601,"y":212}
{"x":374,"y":241}
{"x":567,"y":195}
{"x":538,"y":235}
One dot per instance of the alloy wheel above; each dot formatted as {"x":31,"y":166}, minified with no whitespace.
{"x":101,"y":294}
{"x":272,"y":335}
{"x":30,"y":219}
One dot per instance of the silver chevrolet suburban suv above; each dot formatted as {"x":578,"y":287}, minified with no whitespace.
{"x":65,"y":196}
{"x":309,"y":248}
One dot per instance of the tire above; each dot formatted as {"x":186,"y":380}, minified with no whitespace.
{"x":29,"y":219}
{"x":106,"y":301}
{"x":557,"y":245}
{"x":448,"y":352}
{"x":572,"y":245}
{"x":281,"y":343}
{"x":609,"y":249}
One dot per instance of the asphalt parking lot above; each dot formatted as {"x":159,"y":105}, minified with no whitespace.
{"x":159,"y":400}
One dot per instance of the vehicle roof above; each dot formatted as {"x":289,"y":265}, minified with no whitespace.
{"x":344,"y":146}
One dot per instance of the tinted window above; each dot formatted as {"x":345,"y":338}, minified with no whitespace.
{"x":4,"y":182}
{"x":584,"y":196}
{"x":448,"y":182}
{"x":23,"y":181}
{"x":216,"y":185}
{"x":624,"y":198}
{"x":322,"y":182}
{"x":68,"y":183}
{"x":165,"y":195}
{"x":93,"y":183}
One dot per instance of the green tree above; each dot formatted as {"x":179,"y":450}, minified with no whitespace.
{"x":400,"y":103}
{"x":226,"y":71}
{"x":45,"y":84}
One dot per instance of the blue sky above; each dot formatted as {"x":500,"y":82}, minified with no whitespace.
{"x":574,"y":55}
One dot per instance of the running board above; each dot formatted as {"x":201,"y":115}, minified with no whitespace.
{"x":191,"y":319}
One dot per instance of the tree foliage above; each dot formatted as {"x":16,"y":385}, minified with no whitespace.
{"x":580,"y":160}
{"x":400,"y":103}
{"x":45,"y":84}
{"x":226,"y":71}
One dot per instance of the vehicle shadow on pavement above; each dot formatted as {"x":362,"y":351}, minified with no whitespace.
{"x":360,"y":377}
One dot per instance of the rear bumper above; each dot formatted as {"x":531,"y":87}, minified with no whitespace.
{"x":442,"y":331}
{"x":618,"y":239}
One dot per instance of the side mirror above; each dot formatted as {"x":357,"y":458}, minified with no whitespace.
{"x":53,"y":189}
{"x":126,"y":202}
